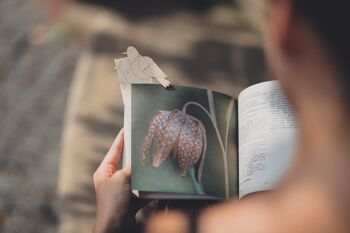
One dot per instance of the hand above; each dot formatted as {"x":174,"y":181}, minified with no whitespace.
{"x":112,"y":190}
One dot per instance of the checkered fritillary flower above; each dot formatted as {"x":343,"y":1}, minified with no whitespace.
{"x":180,"y":134}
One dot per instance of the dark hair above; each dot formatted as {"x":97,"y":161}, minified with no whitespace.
{"x":330,"y":20}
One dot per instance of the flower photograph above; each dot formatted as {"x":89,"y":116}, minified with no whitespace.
{"x":183,"y":141}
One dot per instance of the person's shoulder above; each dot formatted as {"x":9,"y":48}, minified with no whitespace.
{"x":254,"y":214}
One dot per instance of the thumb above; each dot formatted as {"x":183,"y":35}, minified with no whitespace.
{"x":127,"y":171}
{"x":124,"y":173}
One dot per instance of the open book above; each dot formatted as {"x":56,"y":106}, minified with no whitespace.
{"x":184,"y":142}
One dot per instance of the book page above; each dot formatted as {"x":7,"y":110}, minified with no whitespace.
{"x":126,"y":94}
{"x":267,"y":134}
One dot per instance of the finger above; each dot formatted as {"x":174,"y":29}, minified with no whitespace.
{"x":142,"y":209}
{"x":138,"y":203}
{"x":115,"y":152}
{"x":124,"y":172}
{"x":127,"y":171}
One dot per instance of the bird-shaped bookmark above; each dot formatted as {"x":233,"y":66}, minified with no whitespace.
{"x":135,"y":68}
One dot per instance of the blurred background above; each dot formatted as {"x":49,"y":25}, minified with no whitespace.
{"x":60,"y":106}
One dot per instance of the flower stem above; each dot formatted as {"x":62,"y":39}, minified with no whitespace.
{"x":224,"y":153}
{"x":197,"y":185}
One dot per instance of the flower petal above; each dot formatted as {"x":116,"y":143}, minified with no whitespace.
{"x":190,"y":144}
{"x":167,"y":136}
{"x":158,"y":121}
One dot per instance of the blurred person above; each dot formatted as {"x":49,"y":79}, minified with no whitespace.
{"x":171,"y":221}
{"x":308,"y":51}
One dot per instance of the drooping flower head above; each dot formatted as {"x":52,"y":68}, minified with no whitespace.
{"x":180,"y":134}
